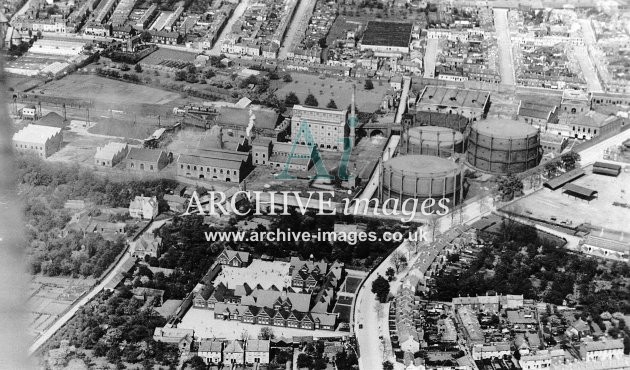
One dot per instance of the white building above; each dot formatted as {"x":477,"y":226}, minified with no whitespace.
{"x":41,"y":140}
{"x":602,"y":350}
{"x":257,"y":351}
{"x":211,"y":351}
{"x":234,"y":354}
{"x":144,"y":207}
{"x":326,"y":126}
{"x":110,"y":154}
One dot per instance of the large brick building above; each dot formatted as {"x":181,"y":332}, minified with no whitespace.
{"x":326,"y":127}
{"x":41,"y":140}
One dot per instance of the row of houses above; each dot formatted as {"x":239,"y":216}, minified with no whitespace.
{"x":213,"y":351}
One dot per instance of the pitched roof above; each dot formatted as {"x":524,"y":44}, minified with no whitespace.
{"x":235,"y":346}
{"x":210,"y":346}
{"x":36,"y":134}
{"x":257,"y":345}
{"x":144,"y":154}
{"x":540,"y":110}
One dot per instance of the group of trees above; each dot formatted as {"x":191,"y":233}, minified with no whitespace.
{"x":567,"y":162}
{"x":510,"y":187}
{"x":113,"y":319}
{"x":380,"y":287}
{"x":520,"y":261}
{"x":49,"y":186}
{"x":112,"y":73}
{"x":313,"y":358}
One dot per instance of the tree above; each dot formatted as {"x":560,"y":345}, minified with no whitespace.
{"x":388,"y":365}
{"x":331,"y":104}
{"x":137,"y":68}
{"x":196,"y":363}
{"x":551,"y":169}
{"x":180,"y":75}
{"x":291,"y":99}
{"x":304,"y":360}
{"x":368,"y":85}
{"x":570,"y":160}
{"x":287,"y":78}
{"x":399,"y":260}
{"x":390,"y":273}
{"x":266,"y":333}
{"x":208,"y":74}
{"x":510,"y":186}
{"x":380,"y":287}
{"x":311,"y":101}
{"x":124,"y":67}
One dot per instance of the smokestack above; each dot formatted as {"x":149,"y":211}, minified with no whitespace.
{"x":352,"y":109}
{"x":250,"y":126}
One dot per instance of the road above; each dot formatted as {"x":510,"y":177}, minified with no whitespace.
{"x":506,"y":62}
{"x":588,"y":69}
{"x":238,"y":13}
{"x":91,"y":294}
{"x":592,"y":53}
{"x":429,"y":58}
{"x":595,"y":153}
{"x":297,"y":27}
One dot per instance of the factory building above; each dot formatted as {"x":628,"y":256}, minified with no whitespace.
{"x":472,"y":104}
{"x":40,"y":140}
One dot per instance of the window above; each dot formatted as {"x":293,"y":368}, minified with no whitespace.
{"x":151,"y":167}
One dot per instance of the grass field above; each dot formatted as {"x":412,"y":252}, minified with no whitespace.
{"x":107,"y":92}
{"x":337,"y":89}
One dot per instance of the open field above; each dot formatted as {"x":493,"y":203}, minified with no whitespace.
{"x":600,"y":212}
{"x":206,"y":326}
{"x":337,"y":89}
{"x":50,"y":297}
{"x":265,"y":273}
{"x":107,"y":92}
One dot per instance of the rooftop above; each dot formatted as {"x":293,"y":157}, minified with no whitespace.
{"x":387,"y":34}
{"x":36,"y":134}
{"x":144,"y":154}
{"x":453,"y":97}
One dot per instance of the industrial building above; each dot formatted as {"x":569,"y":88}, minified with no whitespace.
{"x":326,"y":127}
{"x":111,"y":154}
{"x":472,"y":104}
{"x":214,"y":164}
{"x":421,"y":177}
{"x":503,"y":146}
{"x":298,"y":157}
{"x":40,"y":140}
{"x":147,"y":160}
{"x":387,"y":39}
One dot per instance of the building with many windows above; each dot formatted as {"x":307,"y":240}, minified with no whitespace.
{"x":41,"y":140}
{"x":322,"y":127}
{"x":214,"y":164}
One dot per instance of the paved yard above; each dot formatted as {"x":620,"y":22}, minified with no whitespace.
{"x":600,"y":212}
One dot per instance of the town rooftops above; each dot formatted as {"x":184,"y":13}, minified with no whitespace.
{"x":36,"y":134}
{"x":303,"y":108}
{"x":171,"y":334}
{"x":387,"y":34}
{"x":144,"y":154}
{"x":453,"y":97}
